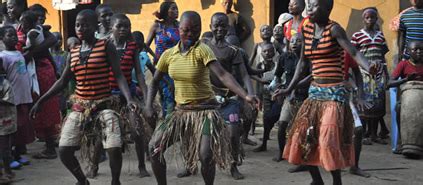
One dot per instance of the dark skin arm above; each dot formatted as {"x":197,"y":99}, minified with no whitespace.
{"x":339,"y":33}
{"x":253,"y":55}
{"x":113,"y":60}
{"x":152,"y":34}
{"x":361,"y":104}
{"x":58,"y":87}
{"x":401,"y":44}
{"x":138,"y":73}
{"x":151,"y":67}
{"x":49,"y":41}
{"x":152,"y":91}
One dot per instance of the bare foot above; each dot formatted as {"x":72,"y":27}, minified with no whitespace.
{"x":143,"y":173}
{"x":299,"y":168}
{"x":235,"y":173}
{"x":92,"y":173}
{"x":249,"y":142}
{"x":185,"y":173}
{"x":359,"y":172}
{"x":261,"y":148}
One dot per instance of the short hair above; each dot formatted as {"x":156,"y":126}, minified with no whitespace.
{"x":4,"y":29}
{"x":92,"y":16}
{"x":38,"y":8}
{"x":220,"y":14}
{"x":100,"y":7}
{"x":119,"y":16}
{"x":30,"y":15}
{"x":137,"y":35}
{"x":191,"y":14}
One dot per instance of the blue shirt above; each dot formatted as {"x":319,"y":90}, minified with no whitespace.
{"x":144,"y":60}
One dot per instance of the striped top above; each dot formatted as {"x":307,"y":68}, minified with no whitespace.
{"x":327,"y":58}
{"x":92,"y":77}
{"x":126,"y":64}
{"x":189,"y":72}
{"x":411,"y":22}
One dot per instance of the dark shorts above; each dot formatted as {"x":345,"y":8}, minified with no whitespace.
{"x":230,"y":111}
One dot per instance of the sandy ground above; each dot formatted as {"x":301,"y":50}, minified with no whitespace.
{"x":385,"y":167}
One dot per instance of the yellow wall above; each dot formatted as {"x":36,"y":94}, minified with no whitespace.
{"x":53,"y":17}
{"x":343,"y":12}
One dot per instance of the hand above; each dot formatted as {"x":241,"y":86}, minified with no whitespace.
{"x":34,"y":110}
{"x":373,"y":68}
{"x":363,"y":105}
{"x":132,"y":105}
{"x":280,"y":92}
{"x":412,"y":76}
{"x":253,"y":100}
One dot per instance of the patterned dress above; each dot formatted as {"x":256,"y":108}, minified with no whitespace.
{"x":166,"y":38}
{"x":374,"y":49}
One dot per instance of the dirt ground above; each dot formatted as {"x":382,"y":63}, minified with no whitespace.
{"x":385,"y":168}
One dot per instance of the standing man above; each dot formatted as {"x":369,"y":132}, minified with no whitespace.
{"x":237,"y":25}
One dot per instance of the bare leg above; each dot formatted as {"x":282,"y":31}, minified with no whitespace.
{"x":358,"y":137}
{"x":208,"y":166}
{"x":67,"y":156}
{"x":234,"y":134}
{"x":247,"y":127}
{"x":137,"y":135}
{"x":383,"y":129}
{"x":281,"y":140}
{"x":158,"y":163}
{"x":336,"y":176}
{"x":115,"y":160}
{"x":315,"y":175}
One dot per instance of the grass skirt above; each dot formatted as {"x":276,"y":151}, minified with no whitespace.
{"x":188,"y":124}
{"x":321,"y":135}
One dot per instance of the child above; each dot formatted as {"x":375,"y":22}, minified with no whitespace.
{"x":14,"y":11}
{"x":145,"y":61}
{"x":271,"y":109}
{"x":17,"y":74}
{"x":411,"y":69}
{"x":278,"y":39}
{"x":371,"y":43}
{"x":286,"y":66}
{"x":90,"y":92}
{"x":266,"y":34}
{"x":72,"y":42}
{"x":104,"y":13}
{"x":410,"y":28}
{"x":295,"y":25}
{"x":8,"y":118}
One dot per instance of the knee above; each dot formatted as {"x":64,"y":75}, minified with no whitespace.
{"x":66,"y":151}
{"x":206,"y":157}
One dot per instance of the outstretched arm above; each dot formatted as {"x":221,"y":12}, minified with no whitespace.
{"x":339,"y":33}
{"x":230,"y":82}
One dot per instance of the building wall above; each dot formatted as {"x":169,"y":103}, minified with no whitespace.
{"x":53,"y":17}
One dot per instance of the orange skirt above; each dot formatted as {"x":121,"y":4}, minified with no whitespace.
{"x":329,"y":144}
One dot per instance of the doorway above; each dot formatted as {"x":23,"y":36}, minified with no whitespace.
{"x":278,"y":7}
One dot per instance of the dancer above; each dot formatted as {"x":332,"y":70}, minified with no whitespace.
{"x":287,"y":65}
{"x":372,"y":44}
{"x":322,"y":133}
{"x":196,"y":122}
{"x":231,"y":60}
{"x":91,"y":57}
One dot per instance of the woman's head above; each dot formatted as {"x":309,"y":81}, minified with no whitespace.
{"x":370,"y":17}
{"x":168,"y":10}
{"x":28,"y":20}
{"x":319,"y":10}
{"x":190,"y":28}
{"x":15,"y":8}
{"x":121,"y":26}
{"x":40,"y":11}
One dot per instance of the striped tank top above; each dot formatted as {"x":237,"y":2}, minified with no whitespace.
{"x":92,"y":76}
{"x":126,"y":64}
{"x":325,"y":54}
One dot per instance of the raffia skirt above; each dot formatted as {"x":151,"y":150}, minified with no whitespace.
{"x":322,"y":131}
{"x":188,"y":123}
